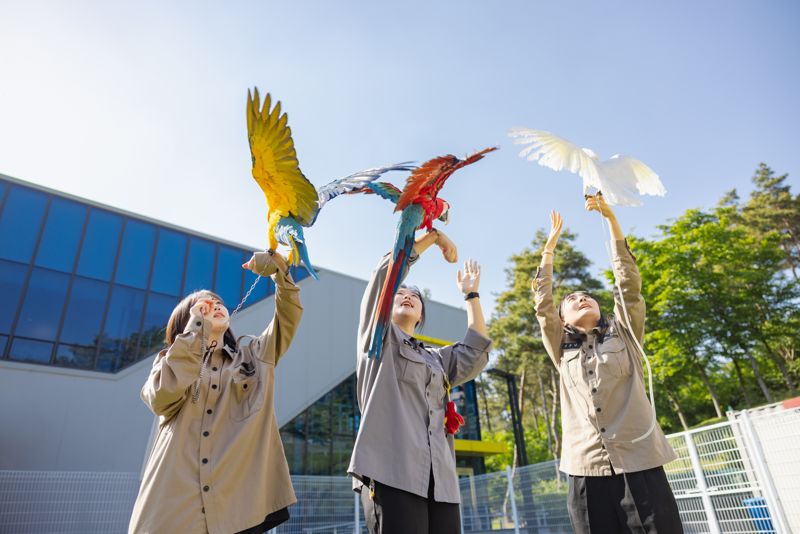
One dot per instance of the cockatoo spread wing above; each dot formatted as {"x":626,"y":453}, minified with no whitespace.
{"x":556,"y":153}
{"x":623,"y":179}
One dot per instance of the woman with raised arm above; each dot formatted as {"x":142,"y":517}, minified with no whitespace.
{"x":403,"y":462}
{"x":613,"y":449}
{"x":218,"y":464}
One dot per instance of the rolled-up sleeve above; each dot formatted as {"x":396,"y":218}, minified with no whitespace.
{"x":465,"y":360}
{"x":175,"y":370}
{"x":630,"y":281}
{"x":547,"y":314}
{"x":277,"y":337}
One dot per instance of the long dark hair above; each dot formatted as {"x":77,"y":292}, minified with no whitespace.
{"x":180,"y":316}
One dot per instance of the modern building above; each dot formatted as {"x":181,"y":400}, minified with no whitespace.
{"x":86,"y":291}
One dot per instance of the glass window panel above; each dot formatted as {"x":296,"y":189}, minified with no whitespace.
{"x":135,"y":254}
{"x":168,"y":267}
{"x":159,"y":308}
{"x":3,"y":188}
{"x":44,"y":301}
{"x":121,"y":329}
{"x":87,"y":302}
{"x":75,"y":356}
{"x":200,"y":268}
{"x":12,"y":277}
{"x":27,"y":350}
{"x":229,"y":276}
{"x":262,"y":290}
{"x":20,"y":223}
{"x":3,"y":341}
{"x":100,"y":245}
{"x":62,"y":233}
{"x":320,"y":440}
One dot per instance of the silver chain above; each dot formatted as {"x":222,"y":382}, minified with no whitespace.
{"x":252,"y":287}
{"x":207,"y":352}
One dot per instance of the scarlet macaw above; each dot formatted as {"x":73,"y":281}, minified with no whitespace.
{"x":292,"y":200}
{"x":419,"y":205}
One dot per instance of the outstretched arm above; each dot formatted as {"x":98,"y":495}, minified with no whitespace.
{"x":629,"y":281}
{"x":276,"y":338}
{"x":542,"y":287}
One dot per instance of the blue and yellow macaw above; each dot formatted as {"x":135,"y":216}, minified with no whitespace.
{"x":292,"y":200}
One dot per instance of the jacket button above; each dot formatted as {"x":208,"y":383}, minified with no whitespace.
{"x":205,"y":433}
{"x":599,"y":409}
{"x":209,"y":411}
{"x":213,"y":386}
{"x":205,"y":460}
{"x":203,"y":510}
{"x":430,"y":432}
{"x":206,"y":488}
{"x":213,"y":368}
{"x":198,"y":323}
{"x":602,"y":430}
{"x":591,"y":372}
{"x":244,"y":386}
{"x":594,"y":390}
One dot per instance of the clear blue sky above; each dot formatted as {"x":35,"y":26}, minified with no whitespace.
{"x":141,"y":105}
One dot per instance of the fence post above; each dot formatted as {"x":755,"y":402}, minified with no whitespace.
{"x":708,"y":506}
{"x":356,"y":508}
{"x":756,"y":455}
{"x":513,"y":500}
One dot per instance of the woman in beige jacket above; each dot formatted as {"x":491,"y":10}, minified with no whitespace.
{"x":218,"y":464}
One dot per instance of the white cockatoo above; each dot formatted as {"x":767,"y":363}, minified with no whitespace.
{"x":622,"y":179}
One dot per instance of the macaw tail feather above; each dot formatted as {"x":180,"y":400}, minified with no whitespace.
{"x":386,"y":299}
{"x":404,"y":243}
{"x":299,"y":253}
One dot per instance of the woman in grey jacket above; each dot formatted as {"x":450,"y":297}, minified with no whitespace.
{"x":403,"y":462}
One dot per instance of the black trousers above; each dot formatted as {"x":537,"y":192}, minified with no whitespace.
{"x":636,"y":503}
{"x":394,"y":511}
{"x":271,"y":521}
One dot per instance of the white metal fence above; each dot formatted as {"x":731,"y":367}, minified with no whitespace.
{"x":741,"y":476}
{"x":38,"y":502}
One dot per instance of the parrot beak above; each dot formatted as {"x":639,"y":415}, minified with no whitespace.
{"x":445,"y":216}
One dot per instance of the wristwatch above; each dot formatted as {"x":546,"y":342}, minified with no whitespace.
{"x":471,"y":295}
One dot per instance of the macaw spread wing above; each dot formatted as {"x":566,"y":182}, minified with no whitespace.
{"x":429,"y":178}
{"x":275,"y":166}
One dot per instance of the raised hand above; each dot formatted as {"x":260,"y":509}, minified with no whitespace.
{"x":469,"y":280}
{"x":598,"y":202}
{"x":266,"y":264}
{"x":448,"y":248}
{"x":556,"y":224}
{"x":202,"y":307}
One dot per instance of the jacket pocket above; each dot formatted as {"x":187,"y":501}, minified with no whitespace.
{"x":571,"y":367}
{"x":411,"y":366}
{"x":247,"y":395}
{"x":614,"y":356}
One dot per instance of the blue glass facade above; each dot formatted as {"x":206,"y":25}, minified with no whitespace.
{"x":90,"y":288}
